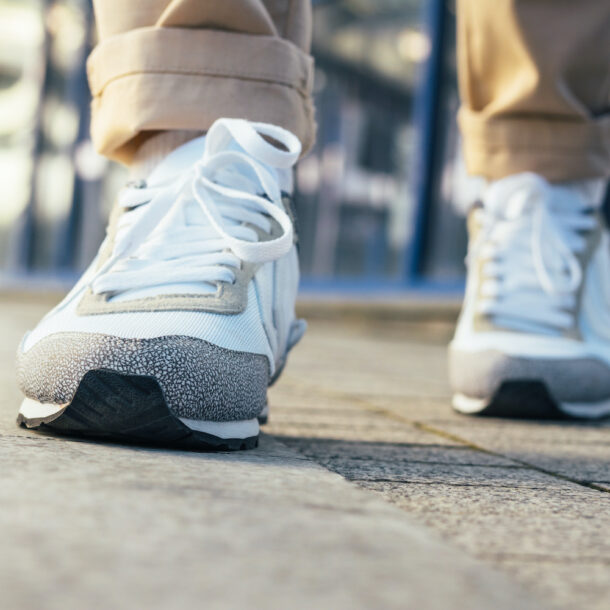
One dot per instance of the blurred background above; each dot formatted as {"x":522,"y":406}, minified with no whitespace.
{"x":376,"y":198}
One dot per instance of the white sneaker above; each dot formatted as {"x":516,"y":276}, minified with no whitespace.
{"x":187,"y":313}
{"x":533,"y":339}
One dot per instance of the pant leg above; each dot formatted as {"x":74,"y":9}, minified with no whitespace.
{"x":182,"y":64}
{"x":535,"y":84}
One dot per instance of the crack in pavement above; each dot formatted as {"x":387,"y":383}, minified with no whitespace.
{"x":390,"y":414}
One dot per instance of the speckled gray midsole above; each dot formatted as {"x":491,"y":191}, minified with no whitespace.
{"x":199,"y":380}
{"x":480,"y":374}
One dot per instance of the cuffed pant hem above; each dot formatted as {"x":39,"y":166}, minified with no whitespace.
{"x":558,"y":150}
{"x":152,"y":79}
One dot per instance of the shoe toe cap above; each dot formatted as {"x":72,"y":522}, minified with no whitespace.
{"x":199,"y":379}
{"x":480,"y":374}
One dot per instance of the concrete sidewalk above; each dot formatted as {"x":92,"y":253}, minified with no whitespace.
{"x":367,"y":492}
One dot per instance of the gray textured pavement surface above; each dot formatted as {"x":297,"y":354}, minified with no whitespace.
{"x":531,"y":499}
{"x":366,"y":492}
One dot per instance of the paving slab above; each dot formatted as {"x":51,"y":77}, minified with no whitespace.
{"x":437,"y":473}
{"x":378,"y":432}
{"x":559,"y":522}
{"x":93,"y":525}
{"x":521,"y":494}
{"x":570,"y":449}
{"x":424,"y":448}
{"x":87,"y":525}
{"x":580,"y":580}
{"x":367,"y":492}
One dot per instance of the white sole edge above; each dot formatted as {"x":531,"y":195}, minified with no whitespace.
{"x":466,"y":404}
{"x":34,"y":410}
{"x":246,"y":428}
{"x":595,"y":410}
{"x":579,"y":410}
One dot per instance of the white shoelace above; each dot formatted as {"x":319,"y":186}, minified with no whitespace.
{"x":198,"y":227}
{"x":530,"y":238}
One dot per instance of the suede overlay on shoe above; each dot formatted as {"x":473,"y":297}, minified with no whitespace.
{"x":198,"y":379}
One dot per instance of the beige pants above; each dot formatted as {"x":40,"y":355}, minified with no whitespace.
{"x":535,"y":85}
{"x":182,"y":64}
{"x":534,"y":76}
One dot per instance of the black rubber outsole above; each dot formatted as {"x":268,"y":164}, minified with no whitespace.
{"x":527,"y":399}
{"x":128,"y":409}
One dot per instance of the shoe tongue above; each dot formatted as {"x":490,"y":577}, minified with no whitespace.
{"x":185,"y":156}
{"x":175,"y":164}
{"x":178,"y":161}
{"x":518,"y":205}
{"x":514,"y":196}
{"x":519,"y":195}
